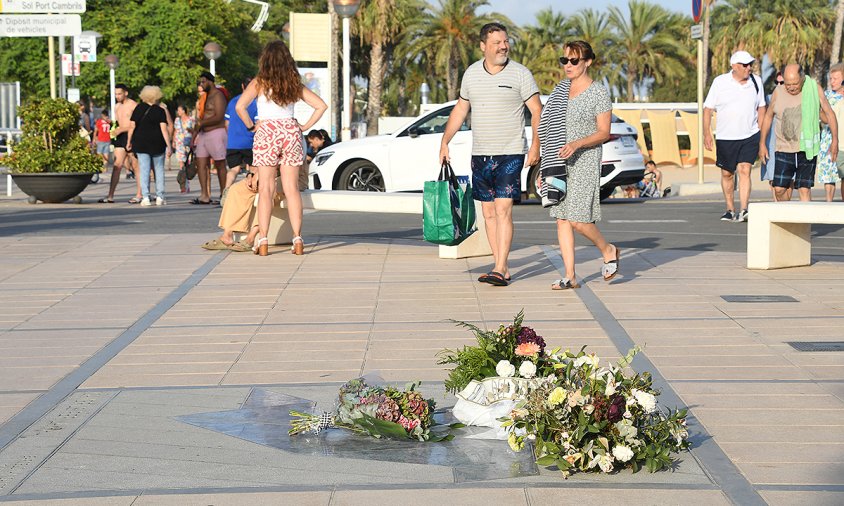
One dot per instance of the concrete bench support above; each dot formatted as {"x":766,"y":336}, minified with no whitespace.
{"x":403,"y":203}
{"x":779,"y":233}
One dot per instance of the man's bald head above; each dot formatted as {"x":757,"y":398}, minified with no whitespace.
{"x":793,"y":76}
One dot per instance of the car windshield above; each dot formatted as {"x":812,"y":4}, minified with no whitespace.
{"x":434,"y":123}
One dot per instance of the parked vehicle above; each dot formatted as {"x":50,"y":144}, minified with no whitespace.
{"x":405,"y":159}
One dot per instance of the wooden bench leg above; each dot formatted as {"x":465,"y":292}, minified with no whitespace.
{"x":777,"y":245}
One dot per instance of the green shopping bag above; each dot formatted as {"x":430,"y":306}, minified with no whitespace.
{"x":448,"y":212}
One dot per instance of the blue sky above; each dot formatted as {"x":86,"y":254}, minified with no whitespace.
{"x":523,"y":12}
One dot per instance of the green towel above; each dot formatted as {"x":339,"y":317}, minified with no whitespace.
{"x":810,"y":136}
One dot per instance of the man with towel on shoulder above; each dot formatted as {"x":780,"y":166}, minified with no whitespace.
{"x":798,"y":108}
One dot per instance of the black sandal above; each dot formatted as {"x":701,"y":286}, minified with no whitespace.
{"x":497,"y":279}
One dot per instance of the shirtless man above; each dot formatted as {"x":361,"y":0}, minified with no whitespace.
{"x":210,"y":139}
{"x":123,"y":112}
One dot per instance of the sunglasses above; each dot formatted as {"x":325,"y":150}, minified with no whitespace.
{"x":745,"y":65}
{"x":780,"y":82}
{"x":573,"y":61}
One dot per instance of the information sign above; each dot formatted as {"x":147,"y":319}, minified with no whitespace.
{"x":85,"y":48}
{"x":40,"y":25}
{"x":42,"y":6}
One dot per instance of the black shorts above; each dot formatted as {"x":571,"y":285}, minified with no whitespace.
{"x":238,"y":157}
{"x":729,"y":154}
{"x":120,"y":141}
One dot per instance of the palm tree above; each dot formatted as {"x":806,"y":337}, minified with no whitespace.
{"x":550,"y":27}
{"x":648,"y":41}
{"x":785,"y":30}
{"x":594,"y":27}
{"x":446,"y":36}
{"x":540,"y":58}
{"x":380,"y":25}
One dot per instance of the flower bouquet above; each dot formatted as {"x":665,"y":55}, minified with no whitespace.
{"x":588,"y":418}
{"x":577,"y":414}
{"x":486,"y":379}
{"x":373,"y":410}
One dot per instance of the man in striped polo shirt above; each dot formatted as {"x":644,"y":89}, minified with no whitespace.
{"x":496,"y":90}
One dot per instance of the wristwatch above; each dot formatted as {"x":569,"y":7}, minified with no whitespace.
{"x":252,"y":128}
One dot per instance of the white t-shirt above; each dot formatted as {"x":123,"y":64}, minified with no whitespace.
{"x":736,"y":106}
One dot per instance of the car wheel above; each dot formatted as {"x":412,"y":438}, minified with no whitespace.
{"x":362,"y":176}
{"x":606,"y":191}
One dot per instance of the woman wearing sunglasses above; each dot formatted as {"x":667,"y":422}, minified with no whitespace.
{"x":573,"y":127}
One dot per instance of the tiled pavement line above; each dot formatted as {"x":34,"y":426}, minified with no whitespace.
{"x":372,"y":320}
{"x":67,"y":385}
{"x":711,"y":457}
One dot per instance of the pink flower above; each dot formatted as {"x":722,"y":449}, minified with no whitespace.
{"x":408,"y":424}
{"x":527,"y":349}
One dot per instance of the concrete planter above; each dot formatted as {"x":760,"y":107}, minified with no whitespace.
{"x":52,"y":187}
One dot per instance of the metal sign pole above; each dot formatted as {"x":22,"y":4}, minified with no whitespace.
{"x":700,"y":111}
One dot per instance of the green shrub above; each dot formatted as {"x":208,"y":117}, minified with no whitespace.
{"x":51,"y":140}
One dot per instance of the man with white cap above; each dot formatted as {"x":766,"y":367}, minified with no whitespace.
{"x":738,"y":100}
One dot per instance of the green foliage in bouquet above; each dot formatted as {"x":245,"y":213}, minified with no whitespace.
{"x":589,"y":418}
{"x":495,"y":353}
{"x":51,"y":141}
{"x":375,"y":411}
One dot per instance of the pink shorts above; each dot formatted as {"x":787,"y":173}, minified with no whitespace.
{"x":212,"y":144}
{"x":278,"y":142}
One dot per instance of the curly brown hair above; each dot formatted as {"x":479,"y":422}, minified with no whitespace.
{"x":278,"y":77}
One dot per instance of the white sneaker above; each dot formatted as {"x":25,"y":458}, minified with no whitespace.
{"x":160,"y":201}
{"x":145,"y":202}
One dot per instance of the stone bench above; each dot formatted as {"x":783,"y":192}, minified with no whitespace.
{"x":280,"y":231}
{"x":779,"y":233}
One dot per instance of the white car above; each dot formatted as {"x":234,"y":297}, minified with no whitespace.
{"x":405,"y":159}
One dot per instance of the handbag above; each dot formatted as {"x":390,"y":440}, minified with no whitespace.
{"x":554,"y":185}
{"x":448,"y":211}
{"x":190,"y":164}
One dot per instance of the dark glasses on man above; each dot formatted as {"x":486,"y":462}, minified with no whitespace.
{"x":780,"y":82}
{"x":573,"y":61}
{"x":745,"y":65}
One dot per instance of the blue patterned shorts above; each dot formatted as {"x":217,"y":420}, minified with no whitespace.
{"x":497,"y":177}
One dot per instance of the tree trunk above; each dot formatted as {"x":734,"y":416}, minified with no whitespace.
{"x":334,"y":65}
{"x":836,"y":37}
{"x":376,"y":82}
{"x":452,"y":78}
{"x":631,"y":78}
{"x":706,"y":42}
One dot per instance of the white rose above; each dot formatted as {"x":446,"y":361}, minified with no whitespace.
{"x":622,"y":453}
{"x":610,"y":388}
{"x":505,"y":369}
{"x":646,"y":400}
{"x":605,"y":463}
{"x":590,"y":359}
{"x":527,"y":369}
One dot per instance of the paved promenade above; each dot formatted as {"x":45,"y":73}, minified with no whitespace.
{"x":115,"y":348}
